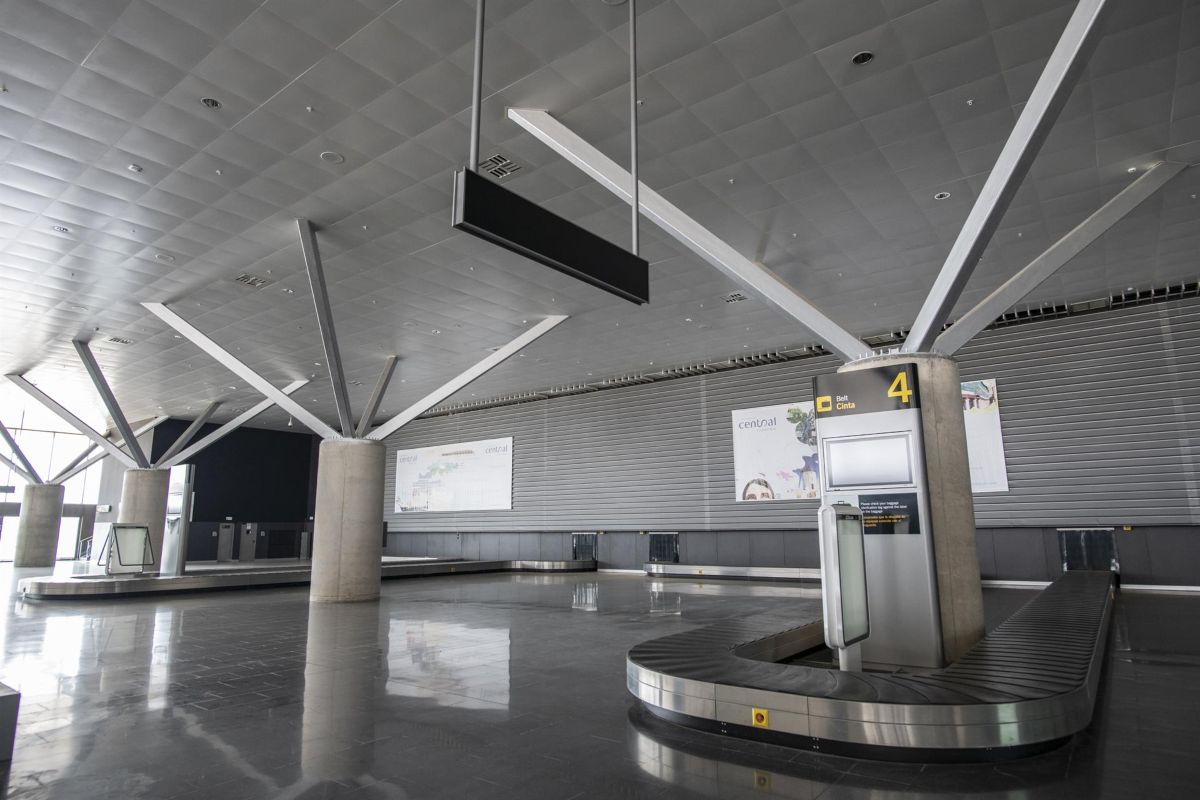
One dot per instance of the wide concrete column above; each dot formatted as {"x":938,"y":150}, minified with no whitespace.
{"x":348,"y":525}
{"x":37,"y":530}
{"x":951,"y":505}
{"x":144,"y":502}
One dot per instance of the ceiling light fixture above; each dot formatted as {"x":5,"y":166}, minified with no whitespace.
{"x":210,"y":102}
{"x":332,"y":158}
{"x":942,"y":196}
{"x":862,"y":57}
{"x":1131,"y":170}
{"x":165,"y":258}
{"x":134,"y":168}
{"x":61,"y":229}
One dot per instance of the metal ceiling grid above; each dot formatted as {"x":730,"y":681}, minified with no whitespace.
{"x":754,"y":122}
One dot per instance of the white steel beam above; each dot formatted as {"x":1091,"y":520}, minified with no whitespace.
{"x":26,"y":469}
{"x":455,"y":384}
{"x":110,"y":402}
{"x":231,"y":363}
{"x":1033,"y":126}
{"x":320,"y":296}
{"x":227,"y":428}
{"x":756,"y":278}
{"x":189,"y":433}
{"x":1041,"y":268}
{"x":75,"y":422}
{"x":78,"y":464}
{"x":368,"y":414}
{"x":17,"y":468}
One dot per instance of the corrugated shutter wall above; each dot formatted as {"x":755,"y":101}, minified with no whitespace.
{"x":1101,"y":418}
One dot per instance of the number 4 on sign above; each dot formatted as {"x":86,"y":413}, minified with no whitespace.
{"x":899,"y":388}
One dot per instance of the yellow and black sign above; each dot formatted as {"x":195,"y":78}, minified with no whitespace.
{"x":867,"y":391}
{"x":760,"y":718}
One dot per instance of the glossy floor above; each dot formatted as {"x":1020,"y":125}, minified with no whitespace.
{"x":498,"y":686}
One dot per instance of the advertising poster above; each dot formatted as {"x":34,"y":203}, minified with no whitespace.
{"x":468,"y":476}
{"x":985,"y":443}
{"x":775,"y":453}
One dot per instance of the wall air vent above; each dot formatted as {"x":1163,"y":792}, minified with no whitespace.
{"x":735,"y":297}
{"x":499,"y":167}
{"x":118,"y":340}
{"x":253,"y":281}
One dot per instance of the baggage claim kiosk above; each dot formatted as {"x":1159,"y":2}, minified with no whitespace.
{"x":870,"y":443}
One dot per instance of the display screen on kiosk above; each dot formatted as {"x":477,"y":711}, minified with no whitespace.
{"x":869,"y":461}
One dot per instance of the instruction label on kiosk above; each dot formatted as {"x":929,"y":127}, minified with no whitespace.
{"x":890,"y":513}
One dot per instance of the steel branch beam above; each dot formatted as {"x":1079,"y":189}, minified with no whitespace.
{"x":189,"y":433}
{"x":75,"y":422}
{"x":110,"y":403}
{"x":1033,"y":126}
{"x":17,"y":468}
{"x":1041,"y":268}
{"x":230,"y":362}
{"x":320,"y":295}
{"x":78,"y":464}
{"x":455,"y":384}
{"x":368,"y":414}
{"x":227,"y":428}
{"x":765,"y":284}
{"x":27,"y":471}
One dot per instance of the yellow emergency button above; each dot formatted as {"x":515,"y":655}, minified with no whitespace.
{"x":759,"y":718}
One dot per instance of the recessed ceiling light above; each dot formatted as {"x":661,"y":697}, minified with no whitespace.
{"x":134,"y":168}
{"x":78,"y":308}
{"x":61,"y":229}
{"x":942,"y":196}
{"x":1129,"y":288}
{"x":165,"y":257}
{"x":1132,"y":169}
{"x":332,"y":158}
{"x":210,"y":102}
{"x":435,"y":330}
{"x":862,"y":57}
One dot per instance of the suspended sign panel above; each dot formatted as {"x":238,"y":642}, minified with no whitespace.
{"x":487,"y":210}
{"x":468,"y":476}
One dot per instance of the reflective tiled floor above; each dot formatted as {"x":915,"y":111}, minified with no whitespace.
{"x":498,"y":686}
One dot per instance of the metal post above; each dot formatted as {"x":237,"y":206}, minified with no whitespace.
{"x":231,"y":363}
{"x":78,"y":464}
{"x":1041,"y":268}
{"x":189,"y":433}
{"x":17,"y":468}
{"x":368,"y":414}
{"x":476,"y":88}
{"x":320,"y":295}
{"x":75,"y":422}
{"x":768,"y":286}
{"x":29,"y":473}
{"x":110,"y":403}
{"x":227,"y":428}
{"x":454,"y":384}
{"x":633,"y":137}
{"x":1033,"y":126}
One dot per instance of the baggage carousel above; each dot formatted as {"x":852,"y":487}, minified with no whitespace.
{"x":212,"y":578}
{"x":1024,"y":688}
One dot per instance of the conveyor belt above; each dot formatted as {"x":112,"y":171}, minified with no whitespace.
{"x":1031,"y":682}
{"x":87,"y":586}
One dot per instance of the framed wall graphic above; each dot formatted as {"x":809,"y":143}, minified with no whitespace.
{"x":466,"y":476}
{"x":775,"y":453}
{"x":985,"y":441}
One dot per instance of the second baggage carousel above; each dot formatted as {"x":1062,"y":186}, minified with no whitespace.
{"x":211,"y":577}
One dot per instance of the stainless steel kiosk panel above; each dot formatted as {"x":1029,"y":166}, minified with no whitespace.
{"x":844,"y":584}
{"x":871,"y":455}
{"x":249,"y":542}
{"x":179,"y":518}
{"x":225,"y":541}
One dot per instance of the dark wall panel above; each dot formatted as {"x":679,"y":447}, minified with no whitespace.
{"x":251,"y":475}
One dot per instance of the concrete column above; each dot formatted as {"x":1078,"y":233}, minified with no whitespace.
{"x":347,"y":547}
{"x":952,"y":507}
{"x":37,"y":530}
{"x":144,"y":502}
